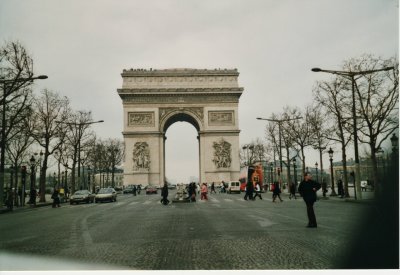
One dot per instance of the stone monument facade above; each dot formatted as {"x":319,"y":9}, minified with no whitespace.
{"x":155,"y":99}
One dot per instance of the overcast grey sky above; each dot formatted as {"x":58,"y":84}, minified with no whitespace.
{"x":83,"y":46}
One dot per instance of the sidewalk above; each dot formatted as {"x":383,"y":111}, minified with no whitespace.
{"x":48,"y":202}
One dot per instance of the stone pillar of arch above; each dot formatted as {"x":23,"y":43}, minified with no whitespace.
{"x":153,"y":100}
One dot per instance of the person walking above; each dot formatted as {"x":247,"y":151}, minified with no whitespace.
{"x":292,"y":190}
{"x":308,"y":190}
{"x":192,"y":192}
{"x":249,"y":191}
{"x":164,"y":194}
{"x":340,"y":188}
{"x":204,"y":191}
{"x":213,"y":188}
{"x":276,"y":192}
{"x":56,"y":198}
{"x":134,"y":190}
{"x":257,"y":191}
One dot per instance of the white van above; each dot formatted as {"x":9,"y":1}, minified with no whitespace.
{"x":234,"y":186}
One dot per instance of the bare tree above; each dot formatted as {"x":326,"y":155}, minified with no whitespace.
{"x":17,"y":147}
{"x":49,"y":109}
{"x":16,"y":72}
{"x":337,"y":106}
{"x":319,"y":137}
{"x":114,"y":155}
{"x":377,"y":105}
{"x":78,"y":125}
{"x":299,"y":130}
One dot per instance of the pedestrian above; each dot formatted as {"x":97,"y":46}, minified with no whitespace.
{"x":56,"y":198}
{"x":33,"y":195}
{"x":139,"y":188}
{"x":276,"y":192}
{"x":324,"y":189}
{"x":192,"y":192}
{"x":134,"y":190}
{"x":308,"y":190}
{"x":292,"y":189}
{"x":213,"y":188}
{"x":204,"y":191}
{"x":164,"y":194}
{"x":258,"y":191}
{"x":249,"y":191}
{"x":340,"y":188}
{"x":10,"y":199}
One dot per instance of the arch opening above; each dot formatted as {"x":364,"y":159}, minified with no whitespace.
{"x":181,"y":156}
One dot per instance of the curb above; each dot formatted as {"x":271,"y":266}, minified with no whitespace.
{"x":27,"y":206}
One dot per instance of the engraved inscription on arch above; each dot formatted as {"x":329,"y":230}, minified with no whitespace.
{"x":142,"y":119}
{"x":221,"y":118}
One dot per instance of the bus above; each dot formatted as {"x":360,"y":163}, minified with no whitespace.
{"x":252,"y":173}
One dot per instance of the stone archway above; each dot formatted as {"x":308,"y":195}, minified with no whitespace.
{"x":155,"y":99}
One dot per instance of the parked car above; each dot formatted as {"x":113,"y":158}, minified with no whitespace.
{"x":106,"y":194}
{"x":81,"y":196}
{"x":128,"y":190}
{"x":233,"y":186}
{"x":151,"y":189}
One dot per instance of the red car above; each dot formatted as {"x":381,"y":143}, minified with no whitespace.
{"x":151,"y":189}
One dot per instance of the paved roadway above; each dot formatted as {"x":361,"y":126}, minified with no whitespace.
{"x":225,"y":232}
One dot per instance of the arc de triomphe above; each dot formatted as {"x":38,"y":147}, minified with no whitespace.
{"x":155,"y":99}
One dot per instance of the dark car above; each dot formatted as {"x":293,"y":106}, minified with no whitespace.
{"x":151,"y":189}
{"x":128,"y":190}
{"x":106,"y":194}
{"x":81,"y":196}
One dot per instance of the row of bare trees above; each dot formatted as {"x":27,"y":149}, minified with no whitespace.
{"x":328,"y":120}
{"x":45,"y":122}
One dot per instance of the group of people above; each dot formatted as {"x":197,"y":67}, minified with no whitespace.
{"x":252,"y":192}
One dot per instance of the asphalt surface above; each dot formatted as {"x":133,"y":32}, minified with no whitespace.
{"x":223,"y":233}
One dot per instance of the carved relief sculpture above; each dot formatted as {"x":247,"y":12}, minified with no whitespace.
{"x":141,"y":118}
{"x":220,"y":118}
{"x":141,"y":156}
{"x":222,"y":154}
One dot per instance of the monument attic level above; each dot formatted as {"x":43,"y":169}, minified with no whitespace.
{"x":155,"y":99}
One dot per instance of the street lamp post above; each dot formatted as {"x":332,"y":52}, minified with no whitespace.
{"x":351,"y":75}
{"x":272,"y":174}
{"x":32,"y":192}
{"x":333,"y":192}
{"x":54,"y":179}
{"x":316,"y":170}
{"x":88,"y":177}
{"x":280,"y":121}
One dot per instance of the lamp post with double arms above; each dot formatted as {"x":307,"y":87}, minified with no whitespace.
{"x":351,"y":75}
{"x":79,"y":126}
{"x":280,"y":121}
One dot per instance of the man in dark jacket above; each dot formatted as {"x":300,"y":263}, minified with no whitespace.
{"x":308,"y":190}
{"x":164,"y":194}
